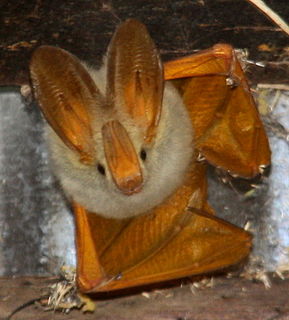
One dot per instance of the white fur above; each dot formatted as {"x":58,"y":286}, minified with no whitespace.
{"x":167,"y":160}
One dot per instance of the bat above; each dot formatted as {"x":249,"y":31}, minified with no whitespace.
{"x":126,"y":142}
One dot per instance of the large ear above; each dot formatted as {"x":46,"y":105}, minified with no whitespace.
{"x":65,"y":93}
{"x":135,"y":75}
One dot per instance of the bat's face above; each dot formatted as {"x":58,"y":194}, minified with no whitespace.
{"x":121,"y":140}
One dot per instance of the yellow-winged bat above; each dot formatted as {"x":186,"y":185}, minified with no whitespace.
{"x":125,"y":144}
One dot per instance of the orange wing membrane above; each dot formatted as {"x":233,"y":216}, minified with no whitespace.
{"x":227,"y":126}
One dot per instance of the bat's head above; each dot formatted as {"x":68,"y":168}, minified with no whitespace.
{"x":121,"y":138}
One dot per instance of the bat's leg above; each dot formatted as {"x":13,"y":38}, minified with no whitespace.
{"x":93,"y":235}
{"x":89,"y":271}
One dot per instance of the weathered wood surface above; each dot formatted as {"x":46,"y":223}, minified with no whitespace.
{"x":178,"y":27}
{"x":232,"y":299}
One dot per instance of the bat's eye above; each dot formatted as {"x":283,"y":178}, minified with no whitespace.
{"x":143,"y":154}
{"x":101,"y":169}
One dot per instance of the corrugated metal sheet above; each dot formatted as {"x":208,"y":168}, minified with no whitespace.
{"x":36,"y":226}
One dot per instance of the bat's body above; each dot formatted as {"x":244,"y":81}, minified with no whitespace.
{"x":125,"y":145}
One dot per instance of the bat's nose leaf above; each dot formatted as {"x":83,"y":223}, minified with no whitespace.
{"x":122,"y":158}
{"x":131,"y":185}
